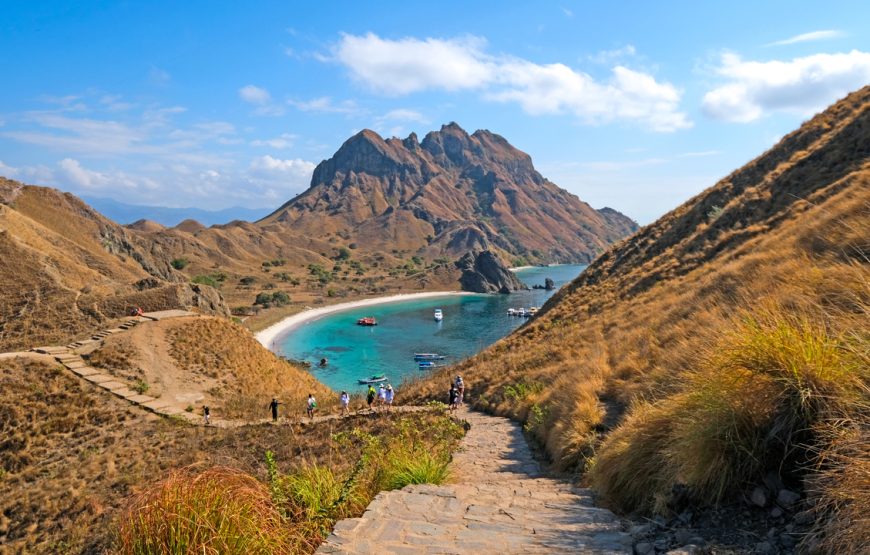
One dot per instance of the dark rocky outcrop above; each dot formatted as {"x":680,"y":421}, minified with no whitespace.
{"x":483,"y":272}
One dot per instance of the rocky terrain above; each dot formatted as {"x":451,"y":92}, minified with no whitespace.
{"x":446,"y":195}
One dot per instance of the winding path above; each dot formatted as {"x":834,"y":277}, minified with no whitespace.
{"x":497,"y":501}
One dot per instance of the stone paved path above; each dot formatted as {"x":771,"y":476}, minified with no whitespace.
{"x":497,"y":501}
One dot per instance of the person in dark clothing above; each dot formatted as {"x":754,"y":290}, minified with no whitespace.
{"x":206,"y":414}
{"x":454,"y":396}
{"x":370,"y":396}
{"x":274,"y":407}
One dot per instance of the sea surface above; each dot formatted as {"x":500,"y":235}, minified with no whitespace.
{"x":471,"y":323}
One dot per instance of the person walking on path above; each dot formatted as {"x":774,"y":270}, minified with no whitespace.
{"x":382,"y":395}
{"x":312,"y":405}
{"x":453,"y":395}
{"x":206,"y":414}
{"x":460,"y":388}
{"x":370,"y":397}
{"x":389,"y":394}
{"x":344,"y":401}
{"x":273,"y":406}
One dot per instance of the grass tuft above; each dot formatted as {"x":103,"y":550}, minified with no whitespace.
{"x":218,"y":511}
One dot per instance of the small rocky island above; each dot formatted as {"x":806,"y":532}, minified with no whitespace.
{"x":483,"y":272}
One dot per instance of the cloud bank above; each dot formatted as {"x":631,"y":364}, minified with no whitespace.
{"x":410,"y":65}
{"x":804,"y":85}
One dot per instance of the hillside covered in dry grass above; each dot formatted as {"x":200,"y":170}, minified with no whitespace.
{"x":67,"y":270}
{"x":77,"y":463}
{"x":726,"y":342}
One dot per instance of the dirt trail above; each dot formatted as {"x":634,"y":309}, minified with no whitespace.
{"x":497,"y":501}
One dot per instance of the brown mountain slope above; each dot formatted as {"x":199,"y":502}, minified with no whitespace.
{"x":765,"y":271}
{"x":446,"y":195}
{"x":66,"y":269}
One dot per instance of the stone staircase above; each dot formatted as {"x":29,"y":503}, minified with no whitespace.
{"x":497,"y":501}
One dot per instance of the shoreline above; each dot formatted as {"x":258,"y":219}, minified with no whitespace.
{"x":268,"y":336}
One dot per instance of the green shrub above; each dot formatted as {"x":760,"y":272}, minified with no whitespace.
{"x":140,"y":387}
{"x":179,"y":263}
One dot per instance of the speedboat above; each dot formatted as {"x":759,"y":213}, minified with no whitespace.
{"x":426,"y":365}
{"x":438,"y":315}
{"x":428,"y":356}
{"x":377,"y":378}
{"x":511,"y":312}
{"x":367,"y":321}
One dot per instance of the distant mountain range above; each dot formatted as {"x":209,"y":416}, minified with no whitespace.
{"x":123,"y":213}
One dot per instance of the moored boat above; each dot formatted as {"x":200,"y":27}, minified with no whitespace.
{"x":367,"y":321}
{"x":428,"y":356}
{"x":377,"y":378}
{"x":426,"y":365}
{"x":438,"y":315}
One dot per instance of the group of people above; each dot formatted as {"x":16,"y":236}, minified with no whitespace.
{"x":383,"y":397}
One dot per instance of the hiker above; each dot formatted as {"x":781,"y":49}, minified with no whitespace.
{"x":136,"y":311}
{"x":312,"y":405}
{"x":370,"y":397}
{"x":344,"y":400}
{"x":389,"y":394}
{"x":454,"y":395}
{"x":382,"y":395}
{"x":206,"y":413}
{"x":460,"y":388}
{"x":274,"y":407}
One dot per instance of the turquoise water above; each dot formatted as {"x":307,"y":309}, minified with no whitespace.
{"x":471,"y":323}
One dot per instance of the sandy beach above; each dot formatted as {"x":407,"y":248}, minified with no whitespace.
{"x":269,"y":336}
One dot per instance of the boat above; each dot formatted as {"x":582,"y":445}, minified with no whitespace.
{"x":426,"y":365}
{"x":533,"y":310}
{"x":377,"y":378}
{"x":511,"y":312}
{"x":367,"y":321}
{"x":428,"y":356}
{"x":438,"y":315}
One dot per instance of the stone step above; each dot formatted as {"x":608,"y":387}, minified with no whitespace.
{"x":50,"y":350}
{"x":112,"y":385}
{"x":99,"y":378}
{"x":85,"y":371}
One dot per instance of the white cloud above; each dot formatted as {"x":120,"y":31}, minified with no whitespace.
{"x":801,"y":85}
{"x":7,"y":171}
{"x":279,"y":179}
{"x":808,"y":37}
{"x":567,"y":12}
{"x":699,"y":154}
{"x":267,"y":166}
{"x":403,"y":114}
{"x":325,"y":104}
{"x":260,"y":98}
{"x":255,"y":95}
{"x":285,"y":140}
{"x":610,"y":56}
{"x":398,"y":67}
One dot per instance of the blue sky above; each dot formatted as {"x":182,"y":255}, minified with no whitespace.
{"x":634,"y":105}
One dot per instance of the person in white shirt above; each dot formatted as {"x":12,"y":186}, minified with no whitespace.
{"x":388,"y":396}
{"x":382,"y":395}
{"x":344,"y":399}
{"x":312,"y":405}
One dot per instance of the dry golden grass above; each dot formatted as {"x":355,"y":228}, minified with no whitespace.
{"x":251,"y":374}
{"x":623,"y":350}
{"x":71,"y":455}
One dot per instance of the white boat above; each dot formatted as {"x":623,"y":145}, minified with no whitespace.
{"x":438,"y":315}
{"x":512,"y":312}
{"x":533,"y":310}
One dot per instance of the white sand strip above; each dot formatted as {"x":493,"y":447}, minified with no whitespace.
{"x":268,"y":336}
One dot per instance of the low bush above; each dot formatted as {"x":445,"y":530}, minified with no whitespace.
{"x":220,"y":510}
{"x":180,"y":263}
